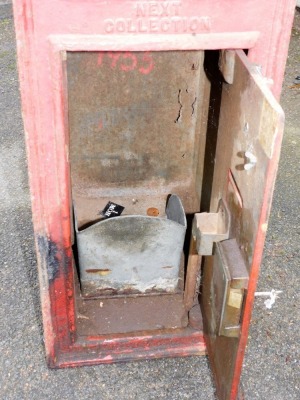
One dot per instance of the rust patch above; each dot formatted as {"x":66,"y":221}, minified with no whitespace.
{"x":124,"y":314}
{"x":153,"y":212}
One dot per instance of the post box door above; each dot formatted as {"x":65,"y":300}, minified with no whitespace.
{"x":246,"y":159}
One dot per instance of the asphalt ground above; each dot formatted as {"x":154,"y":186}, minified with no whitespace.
{"x":271,"y":370}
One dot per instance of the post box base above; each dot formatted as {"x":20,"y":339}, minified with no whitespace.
{"x":99,"y":339}
{"x":107,"y":349}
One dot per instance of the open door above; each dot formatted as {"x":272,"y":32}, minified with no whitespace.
{"x":247,"y":154}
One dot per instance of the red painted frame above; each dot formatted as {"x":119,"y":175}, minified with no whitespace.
{"x":45,"y":31}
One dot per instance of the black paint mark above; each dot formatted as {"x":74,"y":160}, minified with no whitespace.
{"x":48,"y":251}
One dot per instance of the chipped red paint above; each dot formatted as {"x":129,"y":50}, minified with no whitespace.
{"x":174,"y":344}
{"x":60,"y":291}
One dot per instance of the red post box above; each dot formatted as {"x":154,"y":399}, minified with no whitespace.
{"x":162,"y":115}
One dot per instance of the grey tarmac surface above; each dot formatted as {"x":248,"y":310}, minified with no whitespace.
{"x":271,"y":371}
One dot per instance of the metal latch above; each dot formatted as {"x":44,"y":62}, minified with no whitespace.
{"x":210,"y":228}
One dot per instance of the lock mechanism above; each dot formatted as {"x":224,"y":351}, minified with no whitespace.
{"x":229,"y":283}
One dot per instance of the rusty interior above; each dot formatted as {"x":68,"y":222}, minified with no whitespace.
{"x":142,"y":126}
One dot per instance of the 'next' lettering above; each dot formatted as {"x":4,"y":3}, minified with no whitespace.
{"x":158,"y":9}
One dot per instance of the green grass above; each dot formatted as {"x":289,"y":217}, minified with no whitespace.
{"x":4,"y":22}
{"x":12,"y":66}
{"x":4,"y":54}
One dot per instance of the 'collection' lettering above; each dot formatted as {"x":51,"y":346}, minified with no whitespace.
{"x":152,"y":25}
{"x":158,"y":16}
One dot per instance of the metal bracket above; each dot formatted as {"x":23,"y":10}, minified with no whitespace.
{"x":210,"y":228}
{"x":229,"y":277}
{"x":207,"y":229}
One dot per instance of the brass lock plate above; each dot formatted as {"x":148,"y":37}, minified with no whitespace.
{"x":230,"y":280}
